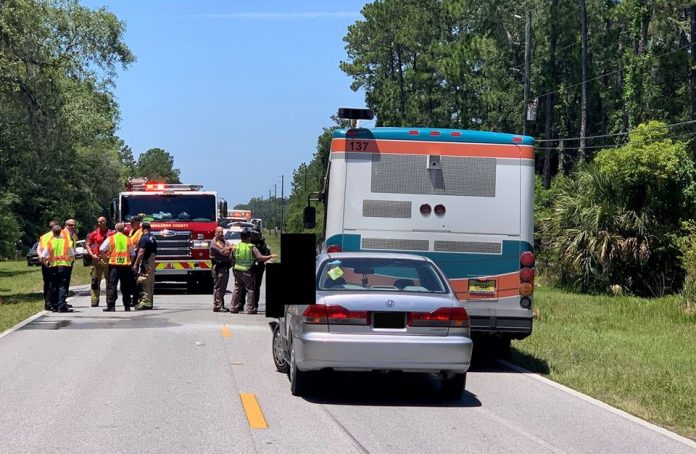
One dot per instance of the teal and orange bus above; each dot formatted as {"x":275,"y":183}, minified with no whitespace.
{"x":464,"y":199}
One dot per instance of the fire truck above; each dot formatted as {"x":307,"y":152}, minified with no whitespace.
{"x":239,"y":215}
{"x":183,"y":218}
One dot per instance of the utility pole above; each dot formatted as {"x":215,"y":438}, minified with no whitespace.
{"x":268,"y":211}
{"x":282,"y":202}
{"x":527,"y":58}
{"x":275,"y":205}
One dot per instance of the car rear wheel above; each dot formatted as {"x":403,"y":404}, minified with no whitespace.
{"x":453,"y":386}
{"x":300,"y":381}
{"x":279,"y":352}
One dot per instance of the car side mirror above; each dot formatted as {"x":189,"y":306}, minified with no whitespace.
{"x":113,"y":210}
{"x":310,"y":215}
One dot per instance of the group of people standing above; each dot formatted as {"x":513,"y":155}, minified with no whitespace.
{"x":56,"y":251}
{"x":247,"y":260}
{"x":115,"y":257}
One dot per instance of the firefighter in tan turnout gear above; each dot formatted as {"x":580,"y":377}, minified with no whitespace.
{"x":144,"y":267}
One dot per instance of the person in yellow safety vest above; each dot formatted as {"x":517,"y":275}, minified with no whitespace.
{"x":58,"y":256}
{"x":45,"y":272}
{"x":245,"y":253}
{"x":118,"y":250}
{"x":135,"y":234}
{"x":69,"y":232}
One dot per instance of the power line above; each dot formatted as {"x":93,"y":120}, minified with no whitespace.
{"x":642,"y":142}
{"x":608,"y":74}
{"x":610,"y":135}
{"x":552,"y":53}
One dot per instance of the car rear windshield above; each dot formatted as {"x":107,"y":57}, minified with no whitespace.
{"x":380,"y":274}
{"x":233,"y":235}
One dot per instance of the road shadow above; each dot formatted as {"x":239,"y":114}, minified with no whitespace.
{"x":14,"y":273}
{"x":79,"y":320}
{"x":393,"y":389}
{"x":18,"y":298}
{"x":484,"y":360}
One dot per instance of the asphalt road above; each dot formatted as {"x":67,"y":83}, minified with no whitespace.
{"x":182,"y":378}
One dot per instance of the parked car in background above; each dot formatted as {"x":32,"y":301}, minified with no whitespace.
{"x":376,"y":312}
{"x":233,"y":236}
{"x":80,"y":249}
{"x":33,"y":256}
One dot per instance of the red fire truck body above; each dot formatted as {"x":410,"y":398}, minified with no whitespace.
{"x":183,"y":218}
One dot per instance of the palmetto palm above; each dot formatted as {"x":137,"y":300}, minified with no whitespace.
{"x":595,"y":240}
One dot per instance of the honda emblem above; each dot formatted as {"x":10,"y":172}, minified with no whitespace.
{"x":389,"y":303}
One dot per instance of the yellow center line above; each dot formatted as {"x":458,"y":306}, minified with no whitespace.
{"x":226,"y":332}
{"x":253,"y":411}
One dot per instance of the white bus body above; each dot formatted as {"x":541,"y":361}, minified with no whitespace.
{"x":386,"y":191}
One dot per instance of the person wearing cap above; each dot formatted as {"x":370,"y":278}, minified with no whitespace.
{"x":144,"y":268}
{"x":259,"y":267}
{"x":245,"y":254}
{"x":58,"y":255}
{"x":135,"y":234}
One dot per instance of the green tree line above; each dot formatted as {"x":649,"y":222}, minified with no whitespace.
{"x":60,"y":156}
{"x":611,"y":102}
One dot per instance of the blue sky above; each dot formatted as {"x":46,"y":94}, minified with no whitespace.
{"x":237,"y":92}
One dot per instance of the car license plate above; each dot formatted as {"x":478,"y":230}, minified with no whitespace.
{"x":391,"y":320}
{"x":482,"y":288}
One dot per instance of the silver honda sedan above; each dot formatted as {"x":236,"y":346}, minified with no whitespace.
{"x":376,"y":311}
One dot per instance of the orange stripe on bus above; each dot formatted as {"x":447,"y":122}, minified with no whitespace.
{"x":432,"y":148}
{"x":506,"y":285}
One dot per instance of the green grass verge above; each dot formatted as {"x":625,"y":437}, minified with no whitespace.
{"x":636,"y":354}
{"x":273,"y":243}
{"x":21,"y":287}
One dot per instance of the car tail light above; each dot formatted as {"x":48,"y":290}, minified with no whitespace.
{"x":527,"y":274}
{"x":455,"y":317}
{"x":425,"y":209}
{"x":440,"y":210}
{"x":527,"y":258}
{"x":334,"y":248}
{"x":319,"y":314}
{"x":314,"y":314}
{"x":339,"y":315}
{"x":526,"y":289}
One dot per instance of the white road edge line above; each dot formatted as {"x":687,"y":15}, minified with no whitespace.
{"x":40,"y":314}
{"x":600,"y":404}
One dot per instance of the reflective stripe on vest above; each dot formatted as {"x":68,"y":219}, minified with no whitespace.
{"x":243,"y":256}
{"x":59,"y":252}
{"x":119,"y":246}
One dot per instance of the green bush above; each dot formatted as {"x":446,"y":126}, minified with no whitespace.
{"x":616,"y":223}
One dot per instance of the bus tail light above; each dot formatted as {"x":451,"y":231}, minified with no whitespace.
{"x":526,"y":302}
{"x":440,"y":210}
{"x":527,"y":274}
{"x":425,"y":209}
{"x":527,"y":258}
{"x":454,"y":317}
{"x":526,"y":288}
{"x":334,"y":248}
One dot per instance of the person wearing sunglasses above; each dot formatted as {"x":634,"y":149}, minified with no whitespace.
{"x":70,"y":233}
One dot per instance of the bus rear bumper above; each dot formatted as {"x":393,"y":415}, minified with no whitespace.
{"x":510,"y":327}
